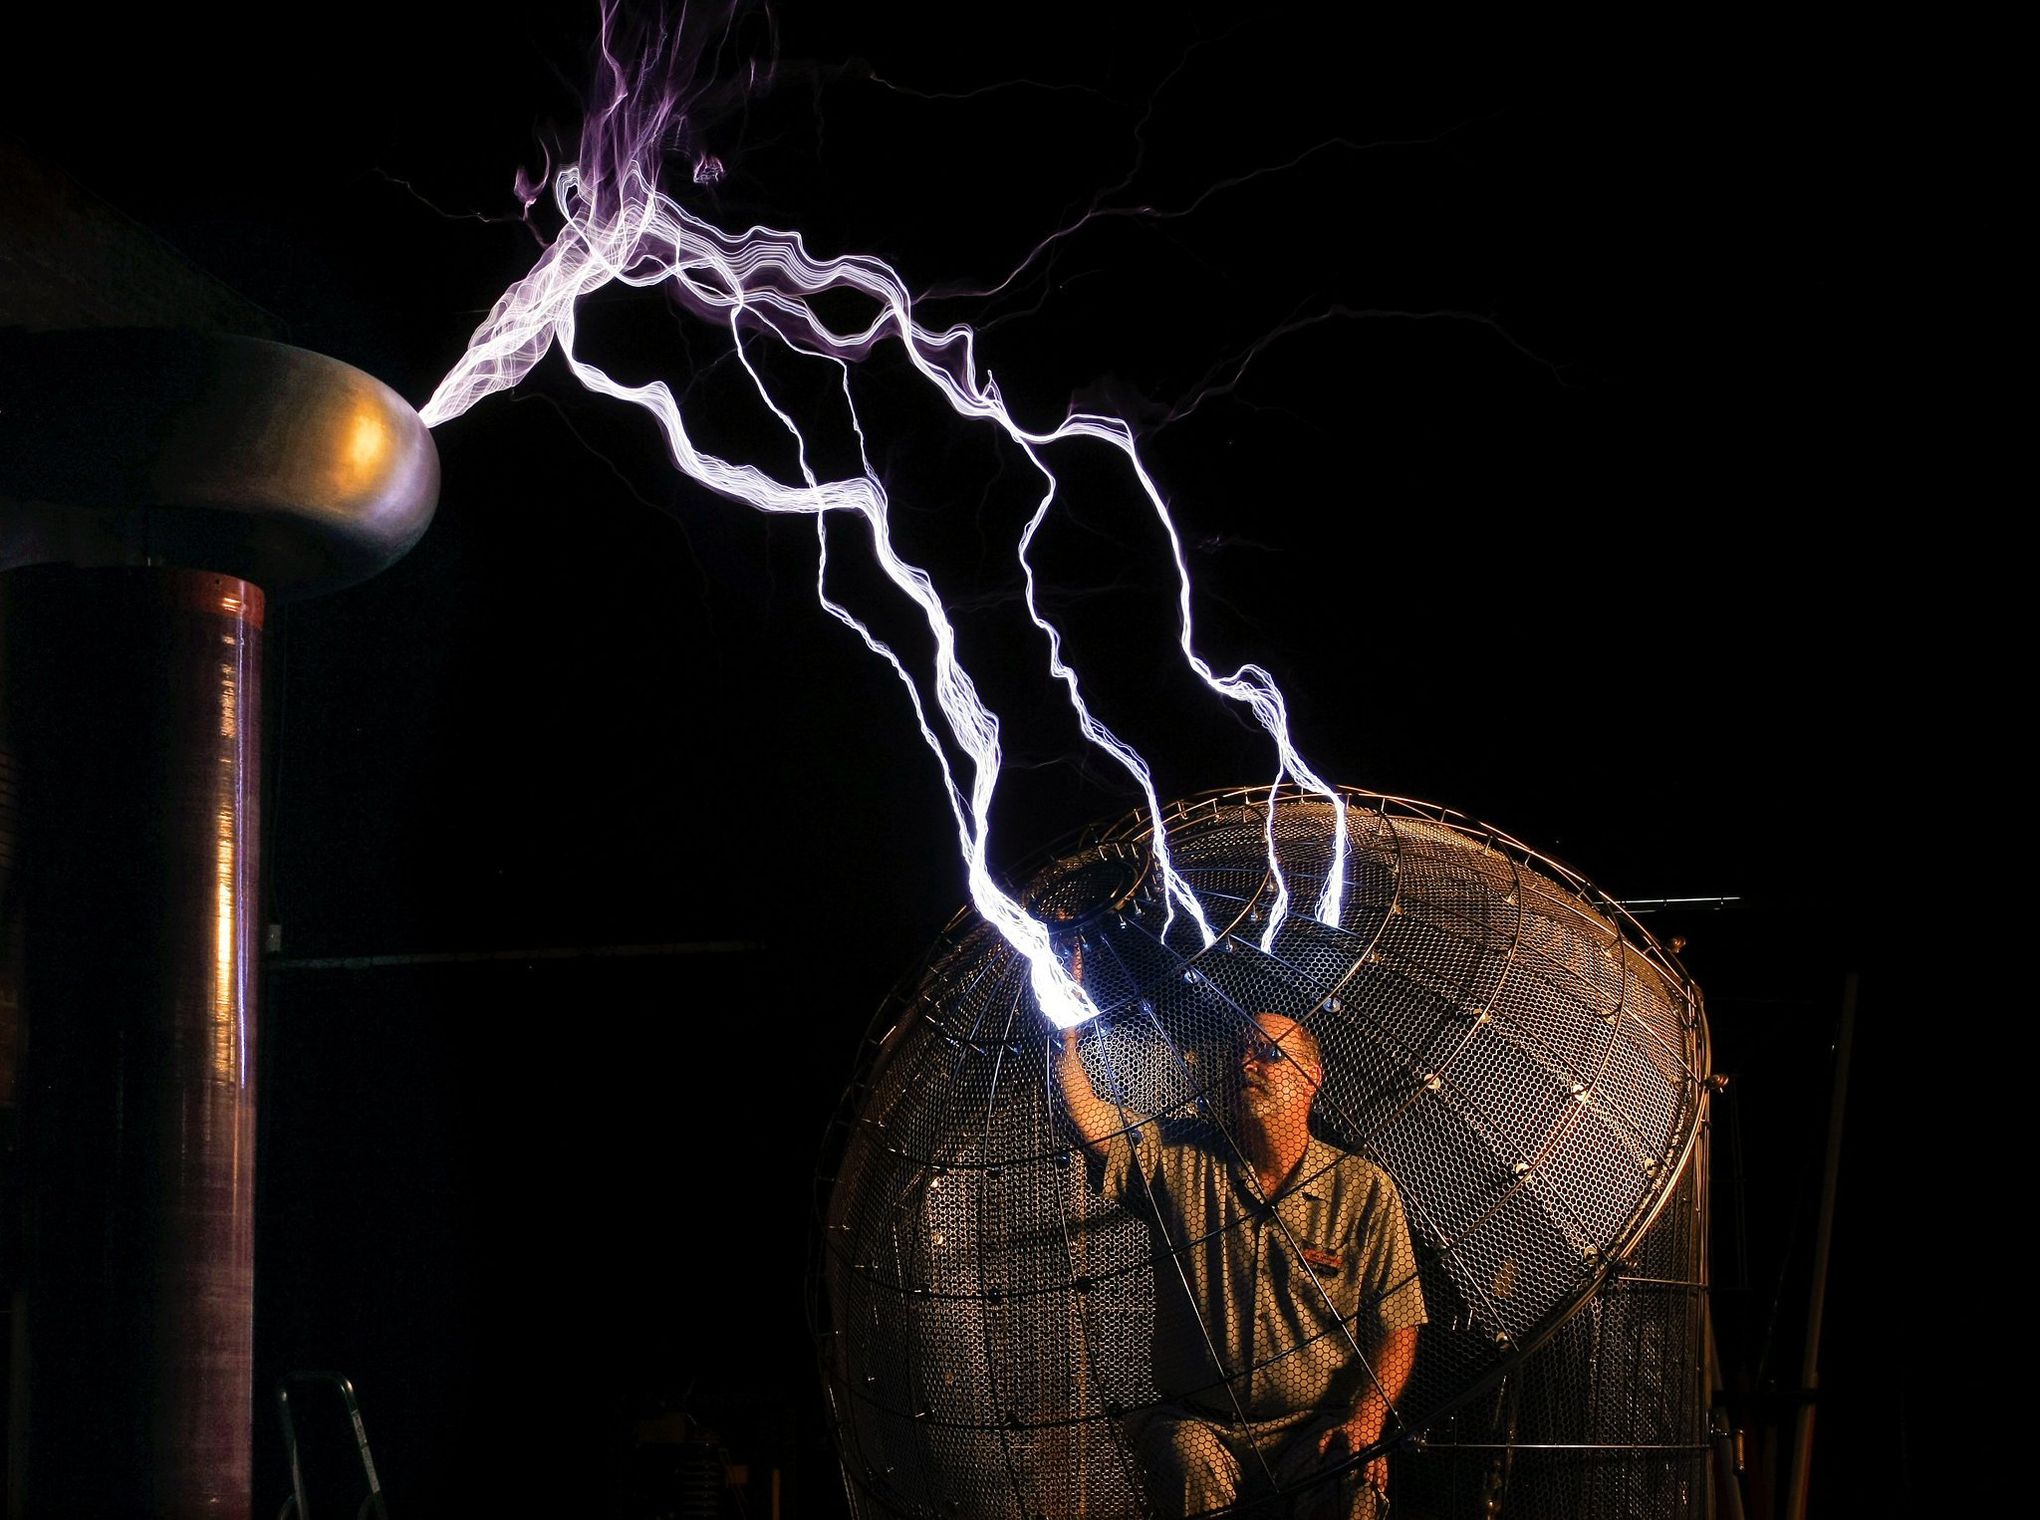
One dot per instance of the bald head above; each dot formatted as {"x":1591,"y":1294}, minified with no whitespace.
{"x":1295,"y":1041}
{"x":1280,"y":1069}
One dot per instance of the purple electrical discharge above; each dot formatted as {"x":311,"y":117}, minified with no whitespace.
{"x":619,"y":226}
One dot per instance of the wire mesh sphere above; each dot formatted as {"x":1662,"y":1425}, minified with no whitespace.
{"x":1022,"y":1308}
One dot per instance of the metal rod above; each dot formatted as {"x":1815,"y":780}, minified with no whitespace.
{"x":1624,"y":1280}
{"x":1724,"y":1478}
{"x":1725,"y":1485}
{"x":1686,"y":1448}
{"x":1676,"y":902}
{"x":1809,"y":1366}
{"x":547,"y":953}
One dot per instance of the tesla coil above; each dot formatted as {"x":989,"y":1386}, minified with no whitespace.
{"x":157,"y":489}
{"x":1503,"y":1041}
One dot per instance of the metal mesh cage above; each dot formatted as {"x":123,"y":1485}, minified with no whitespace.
{"x":1605,"y":1418}
{"x":1028,"y":1313}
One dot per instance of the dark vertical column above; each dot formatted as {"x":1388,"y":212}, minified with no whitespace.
{"x":130,"y":736}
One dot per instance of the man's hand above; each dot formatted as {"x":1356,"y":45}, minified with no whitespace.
{"x":1360,"y":1430}
{"x":1392,"y":1361}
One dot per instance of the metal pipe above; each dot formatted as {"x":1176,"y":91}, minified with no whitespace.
{"x":1682,"y":1448}
{"x":1724,"y":1476}
{"x":1823,"y":1236}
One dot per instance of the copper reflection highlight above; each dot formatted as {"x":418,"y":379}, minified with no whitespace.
{"x":232,"y":1000}
{"x":368,"y":445}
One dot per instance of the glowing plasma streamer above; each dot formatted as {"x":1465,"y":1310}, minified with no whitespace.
{"x":762,"y":284}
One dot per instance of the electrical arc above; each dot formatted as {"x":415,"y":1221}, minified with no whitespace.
{"x":762,"y":284}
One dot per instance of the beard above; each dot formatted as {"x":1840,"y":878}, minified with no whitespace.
{"x":1258,"y":1102}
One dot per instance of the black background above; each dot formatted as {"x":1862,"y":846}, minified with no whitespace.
{"x":1523,"y":496}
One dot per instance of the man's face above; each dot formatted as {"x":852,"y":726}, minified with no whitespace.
{"x":1277,"y":1076}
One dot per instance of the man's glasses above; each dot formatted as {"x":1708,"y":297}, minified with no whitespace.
{"x":1263,"y":1052}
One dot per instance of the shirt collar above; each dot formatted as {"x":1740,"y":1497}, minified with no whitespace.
{"x":1316,"y":1170}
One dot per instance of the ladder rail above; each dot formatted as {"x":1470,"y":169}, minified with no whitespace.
{"x":295,"y":1504}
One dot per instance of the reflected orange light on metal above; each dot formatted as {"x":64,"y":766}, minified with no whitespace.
{"x":368,"y":443}
{"x":226,"y":998}
{"x":223,"y":1019}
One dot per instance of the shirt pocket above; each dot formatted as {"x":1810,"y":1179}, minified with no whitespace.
{"x":1319,"y":1273}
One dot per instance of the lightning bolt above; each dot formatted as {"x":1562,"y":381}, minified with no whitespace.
{"x":618,"y":226}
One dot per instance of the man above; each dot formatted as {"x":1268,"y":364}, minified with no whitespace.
{"x":1287,"y":1301}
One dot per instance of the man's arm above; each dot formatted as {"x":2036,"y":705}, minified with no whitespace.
{"x":1390,"y":1366}
{"x":1095,"y":1118}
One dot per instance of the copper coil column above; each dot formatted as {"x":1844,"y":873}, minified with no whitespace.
{"x":155,"y":489}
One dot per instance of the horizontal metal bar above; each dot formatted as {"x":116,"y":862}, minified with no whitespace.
{"x":1699,"y":1450}
{"x":548,"y":953}
{"x":1624,"y":1280}
{"x":1634,"y":903}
